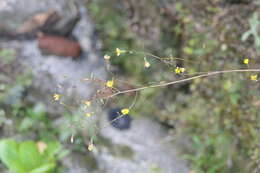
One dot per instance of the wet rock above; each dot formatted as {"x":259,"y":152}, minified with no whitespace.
{"x":59,"y":46}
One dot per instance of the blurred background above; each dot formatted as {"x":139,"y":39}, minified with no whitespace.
{"x":56,"y":113}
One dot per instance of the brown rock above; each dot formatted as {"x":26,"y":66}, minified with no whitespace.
{"x":59,"y":46}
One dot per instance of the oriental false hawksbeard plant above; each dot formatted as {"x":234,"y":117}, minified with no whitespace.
{"x":108,"y":89}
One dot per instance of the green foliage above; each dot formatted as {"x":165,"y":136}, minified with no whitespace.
{"x":211,"y":153}
{"x":25,"y":157}
{"x":115,"y":33}
{"x":33,"y":118}
{"x":27,"y":119}
{"x":13,"y":83}
{"x":218,"y":115}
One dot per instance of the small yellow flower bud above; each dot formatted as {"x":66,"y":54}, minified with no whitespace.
{"x":119,"y":51}
{"x":253,"y":77}
{"x":56,"y":97}
{"x":87,"y":103}
{"x":146,"y":63}
{"x":182,"y":70}
{"x":88,"y":114}
{"x":177,"y":70}
{"x":90,"y":147}
{"x":106,"y":57}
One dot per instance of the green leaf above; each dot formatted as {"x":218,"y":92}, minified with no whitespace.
{"x":29,"y":155}
{"x":9,"y":156}
{"x":26,"y":158}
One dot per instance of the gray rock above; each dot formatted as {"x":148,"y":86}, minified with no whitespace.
{"x":50,"y":71}
{"x":14,"y":12}
{"x":144,"y":149}
{"x":79,"y":163}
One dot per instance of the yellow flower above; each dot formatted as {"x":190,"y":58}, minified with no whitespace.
{"x":119,"y":51}
{"x":88,"y":114}
{"x":246,"y":61}
{"x":106,"y":57}
{"x":179,"y":70}
{"x":110,"y":83}
{"x":253,"y":77}
{"x":56,"y":97}
{"x":125,"y":111}
{"x":90,"y":147}
{"x":87,"y":103}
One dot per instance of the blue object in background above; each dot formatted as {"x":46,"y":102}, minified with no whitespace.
{"x":122,"y":123}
